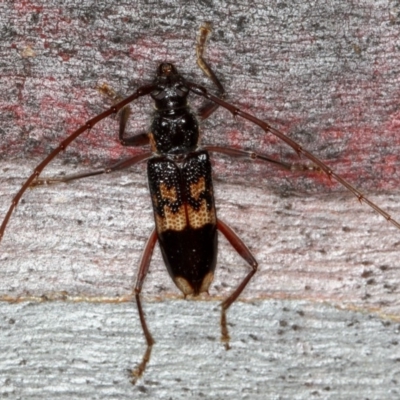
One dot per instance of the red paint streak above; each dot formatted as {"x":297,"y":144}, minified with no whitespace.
{"x":25,"y":6}
{"x":65,"y":56}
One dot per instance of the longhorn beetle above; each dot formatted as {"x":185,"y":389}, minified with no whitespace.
{"x":179,"y":175}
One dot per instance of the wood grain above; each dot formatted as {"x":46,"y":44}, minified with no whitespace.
{"x":320,"y":317}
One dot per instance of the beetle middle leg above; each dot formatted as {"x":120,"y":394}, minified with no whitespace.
{"x":141,"y":139}
{"x":245,"y":253}
{"x":116,"y":167}
{"x":253,"y":156}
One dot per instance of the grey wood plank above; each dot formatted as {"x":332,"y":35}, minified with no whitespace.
{"x":280,"y":350}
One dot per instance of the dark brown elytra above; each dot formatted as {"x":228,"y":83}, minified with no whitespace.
{"x":179,"y":174}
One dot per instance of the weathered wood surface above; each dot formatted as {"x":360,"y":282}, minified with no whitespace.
{"x":328,"y":76}
{"x":280,"y":350}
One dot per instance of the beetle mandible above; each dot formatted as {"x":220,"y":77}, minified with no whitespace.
{"x":180,"y":183}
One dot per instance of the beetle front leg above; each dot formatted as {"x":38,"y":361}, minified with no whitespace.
{"x":141,"y":139}
{"x":209,"y":107}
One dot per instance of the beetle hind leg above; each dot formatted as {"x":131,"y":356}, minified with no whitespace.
{"x":244,"y":252}
{"x":143,"y":269}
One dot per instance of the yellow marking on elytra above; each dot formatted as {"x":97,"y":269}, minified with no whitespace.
{"x":186,"y":288}
{"x":168,"y":193}
{"x":171,"y":221}
{"x":197,"y":188}
{"x":175,"y":221}
{"x":201,"y":216}
{"x":206,"y":282}
{"x":183,"y":285}
{"x":178,"y":220}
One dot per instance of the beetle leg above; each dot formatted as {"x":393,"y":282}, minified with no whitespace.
{"x":244,"y":252}
{"x":142,"y":91}
{"x":251,"y":155}
{"x":68,"y":178}
{"x":124,"y":114}
{"x":143,"y":269}
{"x":142,"y":139}
{"x":209,"y":107}
{"x":201,"y":91}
